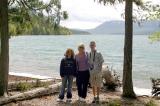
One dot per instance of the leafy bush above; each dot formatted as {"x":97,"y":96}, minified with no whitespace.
{"x":155,"y":37}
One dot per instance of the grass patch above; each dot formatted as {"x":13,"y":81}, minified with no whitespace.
{"x":24,"y":86}
{"x":41,"y":84}
{"x":114,"y":103}
{"x":151,"y":103}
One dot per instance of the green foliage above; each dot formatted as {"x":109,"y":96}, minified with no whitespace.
{"x":41,"y":25}
{"x":62,"y":31}
{"x":154,"y":14}
{"x":41,"y":84}
{"x":113,"y":2}
{"x":151,"y":103}
{"x":150,"y":11}
{"x":23,"y":86}
{"x":114,"y":103}
{"x":155,"y":37}
{"x":36,"y":17}
{"x":65,"y":15}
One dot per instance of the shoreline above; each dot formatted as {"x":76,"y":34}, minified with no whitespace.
{"x":14,"y":78}
{"x":26,"y":76}
{"x":30,"y":75}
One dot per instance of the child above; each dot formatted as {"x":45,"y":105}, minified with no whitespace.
{"x":67,"y":72}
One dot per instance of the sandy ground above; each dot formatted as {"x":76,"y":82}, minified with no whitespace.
{"x":12,"y":78}
{"x":106,"y":98}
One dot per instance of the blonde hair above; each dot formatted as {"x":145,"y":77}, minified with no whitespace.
{"x":81,"y":46}
{"x":69,"y":50}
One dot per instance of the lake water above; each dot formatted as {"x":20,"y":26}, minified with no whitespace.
{"x":41,"y":55}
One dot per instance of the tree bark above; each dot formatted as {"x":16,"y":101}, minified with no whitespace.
{"x":127,"y":65}
{"x":4,"y":56}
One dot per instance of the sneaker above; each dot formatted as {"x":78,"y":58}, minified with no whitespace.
{"x":79,"y":99}
{"x":97,"y":99}
{"x":59,"y":100}
{"x":83,"y":100}
{"x":69,"y":100}
{"x":94,"y":100}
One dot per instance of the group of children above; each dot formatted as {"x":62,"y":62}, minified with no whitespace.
{"x":86,"y":67}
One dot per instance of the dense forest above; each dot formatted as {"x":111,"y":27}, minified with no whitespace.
{"x":38,"y":25}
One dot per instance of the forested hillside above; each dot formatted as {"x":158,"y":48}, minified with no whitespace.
{"x":36,"y":17}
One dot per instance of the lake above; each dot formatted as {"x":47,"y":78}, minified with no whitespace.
{"x":41,"y":55}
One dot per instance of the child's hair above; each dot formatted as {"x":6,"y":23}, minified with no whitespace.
{"x":69,"y":50}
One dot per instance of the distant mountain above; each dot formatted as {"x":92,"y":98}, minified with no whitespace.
{"x":118,"y":27}
{"x":79,"y":32}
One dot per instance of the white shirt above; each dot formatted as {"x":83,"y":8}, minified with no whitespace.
{"x":96,"y":60}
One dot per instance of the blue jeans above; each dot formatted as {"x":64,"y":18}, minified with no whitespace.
{"x":66,"y":81}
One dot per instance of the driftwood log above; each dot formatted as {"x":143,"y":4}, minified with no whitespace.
{"x":110,"y":78}
{"x":38,"y":92}
{"x":155,"y":87}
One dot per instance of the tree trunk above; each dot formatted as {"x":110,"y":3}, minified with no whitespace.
{"x":127,"y":65}
{"x":4,"y":56}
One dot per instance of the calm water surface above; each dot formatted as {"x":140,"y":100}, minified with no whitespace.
{"x":41,"y":55}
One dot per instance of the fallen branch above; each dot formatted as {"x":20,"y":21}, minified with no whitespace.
{"x":38,"y":92}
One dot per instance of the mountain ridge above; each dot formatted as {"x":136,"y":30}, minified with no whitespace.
{"x":118,"y":27}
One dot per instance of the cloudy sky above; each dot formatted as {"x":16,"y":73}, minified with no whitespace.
{"x":86,"y":14}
